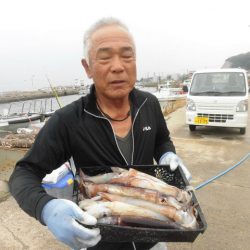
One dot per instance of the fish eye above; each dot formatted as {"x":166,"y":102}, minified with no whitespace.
{"x":163,"y":200}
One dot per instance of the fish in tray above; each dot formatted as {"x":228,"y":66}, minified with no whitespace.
{"x":154,"y":196}
{"x":138,"y":221}
{"x":134,"y":178}
{"x":130,"y":197}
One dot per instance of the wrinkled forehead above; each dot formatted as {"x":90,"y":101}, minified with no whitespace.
{"x":110,"y":36}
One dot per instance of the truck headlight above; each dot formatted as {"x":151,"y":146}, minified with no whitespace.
{"x":191,"y":105}
{"x":242,"y":106}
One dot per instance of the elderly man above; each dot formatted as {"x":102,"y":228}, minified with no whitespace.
{"x":113,"y":125}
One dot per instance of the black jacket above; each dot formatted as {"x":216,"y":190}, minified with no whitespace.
{"x":79,"y":130}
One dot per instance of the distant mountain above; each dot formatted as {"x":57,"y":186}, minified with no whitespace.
{"x":238,"y":61}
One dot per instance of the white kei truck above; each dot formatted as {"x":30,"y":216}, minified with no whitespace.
{"x":218,"y":98}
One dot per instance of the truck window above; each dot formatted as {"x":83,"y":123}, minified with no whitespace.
{"x":216,"y":84}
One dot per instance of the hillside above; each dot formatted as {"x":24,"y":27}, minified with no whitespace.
{"x":238,"y":61}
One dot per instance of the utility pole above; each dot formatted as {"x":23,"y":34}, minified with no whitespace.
{"x":32,"y":81}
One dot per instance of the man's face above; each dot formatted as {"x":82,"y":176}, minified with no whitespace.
{"x":112,"y":62}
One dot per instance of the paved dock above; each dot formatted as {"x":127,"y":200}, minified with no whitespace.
{"x":224,"y":202}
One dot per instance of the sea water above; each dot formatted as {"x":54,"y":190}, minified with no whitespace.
{"x":16,"y":107}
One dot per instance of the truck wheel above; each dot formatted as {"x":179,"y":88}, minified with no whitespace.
{"x":192,"y":127}
{"x":242,"y":131}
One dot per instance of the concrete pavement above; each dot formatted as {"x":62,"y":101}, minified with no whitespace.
{"x":225,"y":202}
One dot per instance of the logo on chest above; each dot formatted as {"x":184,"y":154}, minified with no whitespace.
{"x":146,"y":128}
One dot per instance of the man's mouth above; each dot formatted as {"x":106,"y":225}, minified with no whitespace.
{"x":117,"y":81}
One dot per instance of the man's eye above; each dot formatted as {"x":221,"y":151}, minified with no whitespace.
{"x":128,"y":56}
{"x":104,"y":58}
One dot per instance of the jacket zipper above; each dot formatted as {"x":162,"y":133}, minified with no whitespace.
{"x":104,"y":118}
{"x":133,"y":138}
{"x":133,"y":146}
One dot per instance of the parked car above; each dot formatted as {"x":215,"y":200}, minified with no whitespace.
{"x":218,"y":98}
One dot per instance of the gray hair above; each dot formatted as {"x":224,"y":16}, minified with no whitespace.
{"x":106,"y":21}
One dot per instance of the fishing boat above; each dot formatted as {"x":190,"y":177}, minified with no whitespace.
{"x":14,"y":121}
{"x":23,"y":114}
{"x":84,"y":91}
{"x":166,"y":96}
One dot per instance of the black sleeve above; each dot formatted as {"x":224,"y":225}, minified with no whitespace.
{"x":49,"y":151}
{"x":163,"y":142}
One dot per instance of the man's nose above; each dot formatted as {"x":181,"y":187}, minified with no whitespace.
{"x":117,"y":64}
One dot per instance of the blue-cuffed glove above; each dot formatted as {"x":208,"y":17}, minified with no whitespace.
{"x":61,"y":217}
{"x":173,"y":161}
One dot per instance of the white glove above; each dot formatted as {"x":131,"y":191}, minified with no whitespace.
{"x":61,"y":217}
{"x":173,"y":161}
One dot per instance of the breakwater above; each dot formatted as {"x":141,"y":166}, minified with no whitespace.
{"x":173,"y":105}
{"x":16,"y":96}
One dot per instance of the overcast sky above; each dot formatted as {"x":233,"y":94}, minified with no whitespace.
{"x":44,"y":37}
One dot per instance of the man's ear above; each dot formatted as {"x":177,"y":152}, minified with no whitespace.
{"x":86,"y":67}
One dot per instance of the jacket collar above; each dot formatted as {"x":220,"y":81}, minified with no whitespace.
{"x":136,"y":96}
